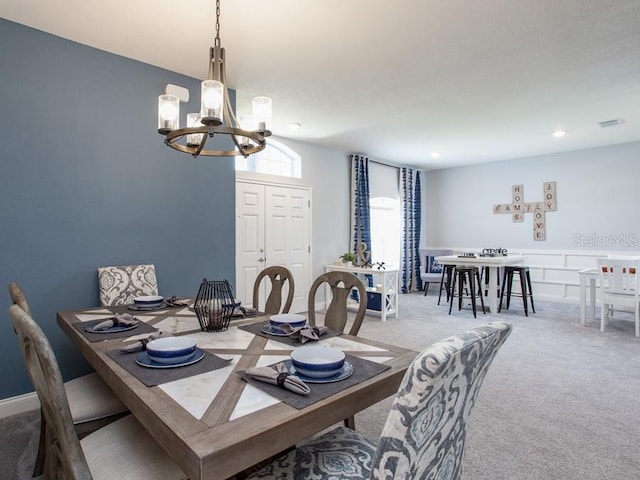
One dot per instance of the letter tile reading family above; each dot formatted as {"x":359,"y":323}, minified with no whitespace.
{"x":518,"y":207}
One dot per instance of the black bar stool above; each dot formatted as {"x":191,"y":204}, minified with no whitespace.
{"x":462,"y":275}
{"x":446,"y":281}
{"x":525,"y":287}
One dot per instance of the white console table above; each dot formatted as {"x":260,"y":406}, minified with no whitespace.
{"x":388,"y":279}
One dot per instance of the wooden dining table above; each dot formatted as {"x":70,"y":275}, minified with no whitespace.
{"x":214,"y":424}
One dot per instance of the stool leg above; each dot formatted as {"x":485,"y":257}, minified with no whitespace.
{"x":460,"y":289}
{"x":481,"y":299}
{"x":472,"y":287}
{"x":444,"y":269}
{"x":523,"y":289}
{"x":509,"y":285}
{"x":453,"y":289}
{"x":504,"y":281}
{"x":533,"y":308}
{"x":426,"y":288}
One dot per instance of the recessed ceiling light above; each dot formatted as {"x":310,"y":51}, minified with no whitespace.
{"x":435,"y":154}
{"x":559,"y":133}
{"x":294,"y":126}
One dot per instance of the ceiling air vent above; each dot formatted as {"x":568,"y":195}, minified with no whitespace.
{"x":611,"y":123}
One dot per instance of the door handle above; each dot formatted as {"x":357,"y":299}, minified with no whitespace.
{"x":262,"y":259}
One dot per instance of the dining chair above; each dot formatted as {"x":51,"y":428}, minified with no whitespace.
{"x":433,"y":272}
{"x":425,"y":432}
{"x":91,"y":402}
{"x":120,"y":284}
{"x":279,"y":276}
{"x":336,"y":316}
{"x":122,"y":449}
{"x":620,"y":285}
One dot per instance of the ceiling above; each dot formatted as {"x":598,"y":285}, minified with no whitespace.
{"x":477,"y":81}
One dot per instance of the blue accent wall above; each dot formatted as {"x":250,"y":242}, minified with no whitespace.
{"x":86,"y":181}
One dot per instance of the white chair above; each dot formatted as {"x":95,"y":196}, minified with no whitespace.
{"x":122,"y":450}
{"x":620,"y":286}
{"x":425,"y":432}
{"x":120,"y":284}
{"x":433,"y":272}
{"x":91,"y":402}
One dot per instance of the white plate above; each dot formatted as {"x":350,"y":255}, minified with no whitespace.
{"x":346,"y":372}
{"x":270,"y":330}
{"x":114,"y":329}
{"x":144,"y":361}
{"x":145,"y":308}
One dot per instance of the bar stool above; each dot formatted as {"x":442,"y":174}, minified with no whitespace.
{"x":446,"y":281}
{"x":462,"y":275}
{"x":525,"y":287}
{"x":484,"y":277}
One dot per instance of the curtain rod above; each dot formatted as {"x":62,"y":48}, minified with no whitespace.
{"x":378,"y":161}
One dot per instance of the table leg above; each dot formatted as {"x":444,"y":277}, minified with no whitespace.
{"x":583,"y":299}
{"x":493,"y":289}
{"x":592,"y":297}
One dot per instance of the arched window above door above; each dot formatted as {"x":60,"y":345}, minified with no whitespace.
{"x":275,"y":159}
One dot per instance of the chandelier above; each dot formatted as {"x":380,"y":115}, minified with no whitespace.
{"x":216,"y":116}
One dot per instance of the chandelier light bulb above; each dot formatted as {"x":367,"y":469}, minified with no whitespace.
{"x":168,"y":113}
{"x":212,"y":98}
{"x":262,"y":112}
{"x":193,"y":120}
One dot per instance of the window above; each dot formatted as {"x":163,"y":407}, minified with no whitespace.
{"x":384,"y":205}
{"x":275,"y":159}
{"x":385,"y":230}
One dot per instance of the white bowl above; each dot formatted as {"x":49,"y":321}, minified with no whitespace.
{"x":294,"y":320}
{"x":317,"y":362}
{"x":148,"y":300}
{"x":170,"y":349}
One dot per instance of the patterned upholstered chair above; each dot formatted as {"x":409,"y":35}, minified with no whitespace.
{"x":121,"y":450}
{"x":91,"y":402}
{"x":119,"y":285}
{"x":279,"y":276}
{"x":425,"y":432}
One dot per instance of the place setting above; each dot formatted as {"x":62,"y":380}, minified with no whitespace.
{"x":289,"y":328}
{"x":120,"y":325}
{"x":147,"y":303}
{"x":311,"y":373}
{"x":163,"y":358}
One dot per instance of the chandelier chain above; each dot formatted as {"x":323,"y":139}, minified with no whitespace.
{"x":217,"y":39}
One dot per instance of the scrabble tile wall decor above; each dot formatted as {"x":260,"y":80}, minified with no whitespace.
{"x":518,"y":207}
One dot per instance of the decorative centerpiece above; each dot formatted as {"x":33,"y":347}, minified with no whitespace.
{"x":214,"y":305}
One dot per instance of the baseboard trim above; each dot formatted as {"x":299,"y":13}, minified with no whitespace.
{"x":19,"y":404}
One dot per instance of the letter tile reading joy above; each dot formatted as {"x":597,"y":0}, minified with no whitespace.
{"x":518,"y":207}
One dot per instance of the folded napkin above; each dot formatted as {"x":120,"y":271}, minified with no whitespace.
{"x":119,"y":319}
{"x":141,"y":344}
{"x":306,"y":333}
{"x":177,"y":302}
{"x":278,"y":375}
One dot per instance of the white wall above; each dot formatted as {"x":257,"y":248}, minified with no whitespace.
{"x":597,"y":202}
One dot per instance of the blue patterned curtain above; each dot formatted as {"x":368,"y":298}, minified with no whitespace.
{"x":360,"y":213}
{"x":411,"y":215}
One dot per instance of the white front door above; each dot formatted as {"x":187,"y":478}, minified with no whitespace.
{"x":273,"y":227}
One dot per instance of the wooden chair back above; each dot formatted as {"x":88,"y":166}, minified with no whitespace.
{"x":279,"y":276}
{"x":120,"y":284}
{"x":18,"y":297}
{"x":65,"y":458}
{"x":619,"y":275}
{"x":425,"y":432}
{"x":342,"y":284}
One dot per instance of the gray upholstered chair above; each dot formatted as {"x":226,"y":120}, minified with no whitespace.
{"x":279,"y":276}
{"x":91,"y":402}
{"x":425,"y":432}
{"x":120,"y":284}
{"x":122,"y":450}
{"x":336,"y":317}
{"x":431,"y":271}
